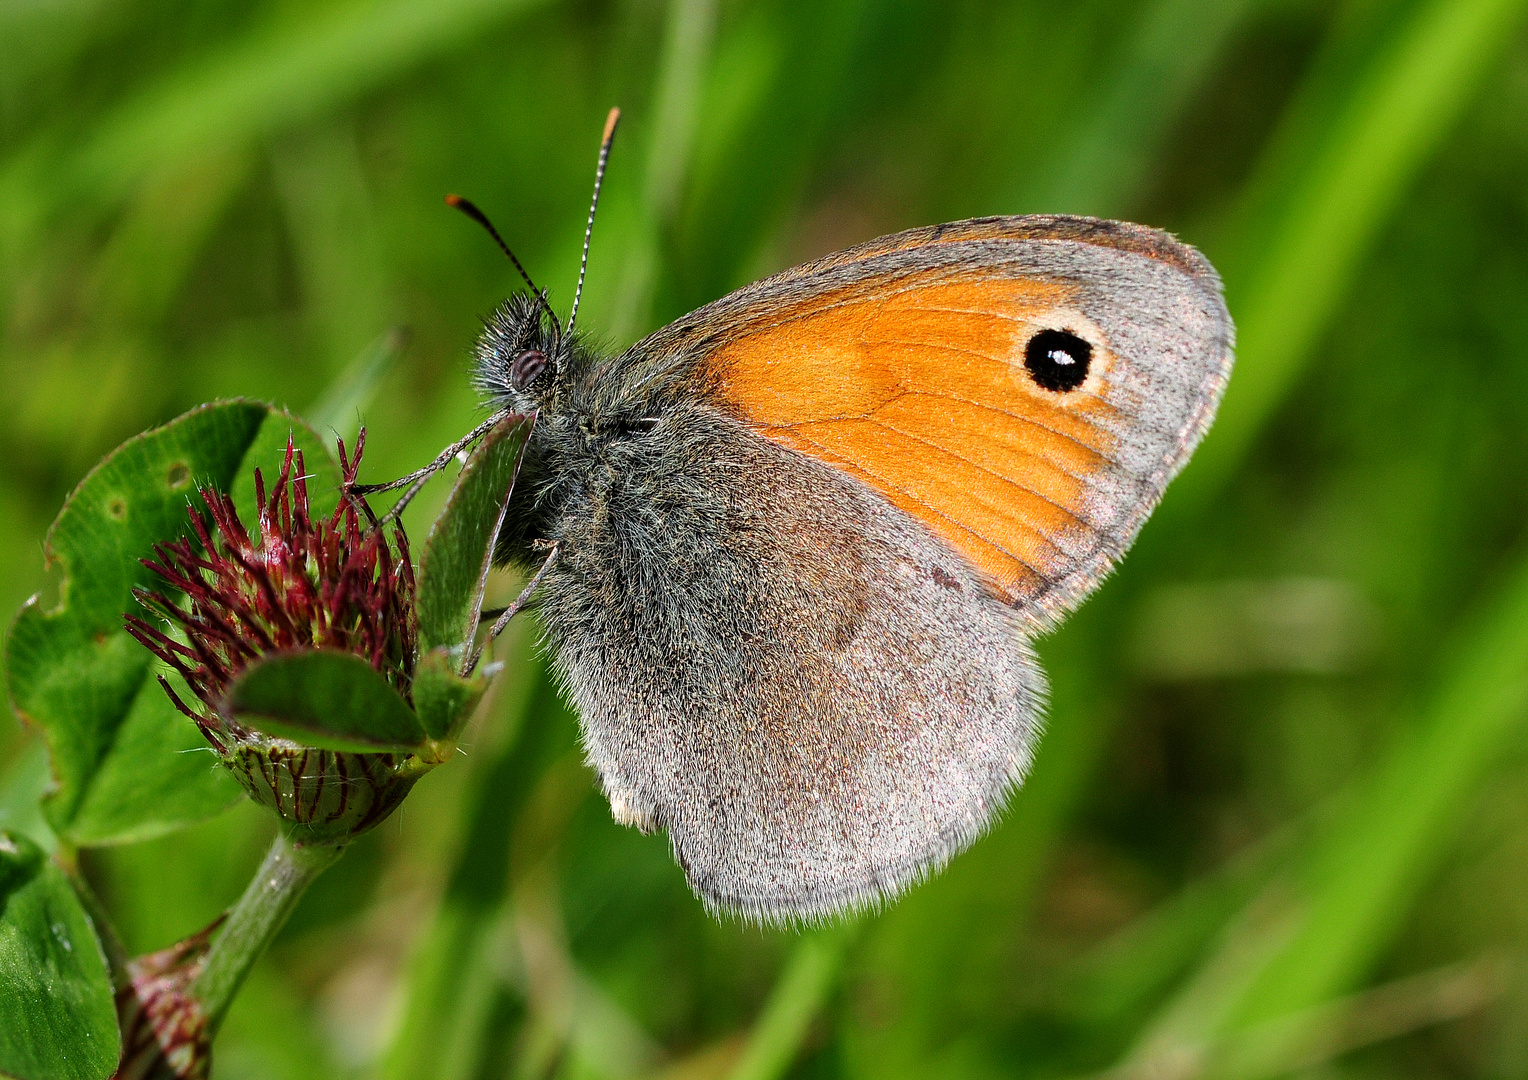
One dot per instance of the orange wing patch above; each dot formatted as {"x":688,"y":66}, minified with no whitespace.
{"x":921,"y":392}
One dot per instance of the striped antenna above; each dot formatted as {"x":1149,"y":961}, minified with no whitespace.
{"x":599,"y":178}
{"x":456,"y":202}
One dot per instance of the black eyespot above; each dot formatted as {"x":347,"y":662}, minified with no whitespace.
{"x":1057,"y":360}
{"x":526,"y":367}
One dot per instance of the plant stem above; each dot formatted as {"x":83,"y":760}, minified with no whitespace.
{"x":106,"y":933}
{"x":288,"y":870}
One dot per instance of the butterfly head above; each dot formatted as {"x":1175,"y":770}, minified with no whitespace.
{"x":525,"y":363}
{"x":520,"y":354}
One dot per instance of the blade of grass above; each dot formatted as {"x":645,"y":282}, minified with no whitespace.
{"x":782,"y":88}
{"x":1375,"y":852}
{"x":1400,"y":108}
{"x":1315,"y":1036}
{"x":272,"y":1032}
{"x":340,"y":407}
{"x":1107,"y":163}
{"x":955,"y":931}
{"x":813,"y":967}
{"x":167,"y":224}
{"x":809,"y":976}
{"x":529,"y":965}
{"x":1350,"y":883}
{"x":686,"y":57}
{"x":1123,"y":974}
{"x":451,"y":946}
{"x":932,"y":933}
{"x":277,"y":76}
{"x":341,"y":261}
{"x":600,"y":1038}
{"x":1183,"y":1029}
{"x":131,"y":288}
{"x":1396,"y":114}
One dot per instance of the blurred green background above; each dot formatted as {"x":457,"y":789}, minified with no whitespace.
{"x":1279,"y":823}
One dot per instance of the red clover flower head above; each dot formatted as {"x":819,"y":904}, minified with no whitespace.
{"x":298,"y":584}
{"x":332,"y":582}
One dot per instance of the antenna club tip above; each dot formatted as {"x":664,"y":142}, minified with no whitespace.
{"x":453,"y":200}
{"x":610,"y":122}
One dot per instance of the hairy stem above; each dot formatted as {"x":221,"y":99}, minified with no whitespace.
{"x":257,"y":918}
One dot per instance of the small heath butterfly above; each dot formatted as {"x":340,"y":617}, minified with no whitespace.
{"x":802,"y":538}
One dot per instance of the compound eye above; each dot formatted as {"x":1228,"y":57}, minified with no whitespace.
{"x":526,"y":367}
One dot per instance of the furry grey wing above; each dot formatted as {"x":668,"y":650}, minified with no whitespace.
{"x":818,"y":699}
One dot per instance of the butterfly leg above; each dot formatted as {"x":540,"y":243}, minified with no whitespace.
{"x":551,"y":548}
{"x":415,"y":480}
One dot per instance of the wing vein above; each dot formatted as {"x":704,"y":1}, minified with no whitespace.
{"x":990,"y":472}
{"x":1041,"y":458}
{"x":1022,"y":419}
{"x":931,"y":509}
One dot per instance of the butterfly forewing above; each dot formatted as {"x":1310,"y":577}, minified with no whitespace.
{"x":922,"y":364}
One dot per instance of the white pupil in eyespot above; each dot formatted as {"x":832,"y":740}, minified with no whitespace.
{"x":1059,"y":357}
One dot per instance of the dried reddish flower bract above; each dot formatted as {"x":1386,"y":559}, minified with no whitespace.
{"x":164,"y":1028}
{"x":300,"y":582}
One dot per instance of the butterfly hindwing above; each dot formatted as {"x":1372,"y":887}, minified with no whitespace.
{"x":815,"y":697}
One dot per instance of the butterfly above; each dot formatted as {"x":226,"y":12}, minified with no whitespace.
{"x":795,"y":546}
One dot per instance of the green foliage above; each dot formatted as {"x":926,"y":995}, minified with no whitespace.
{"x":453,"y":569}
{"x":1375,"y":847}
{"x":453,"y":573}
{"x":55,"y":993}
{"x":79,"y":676}
{"x":443,"y":697}
{"x":329,"y":700}
{"x":451,"y":987}
{"x":1230,"y":865}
